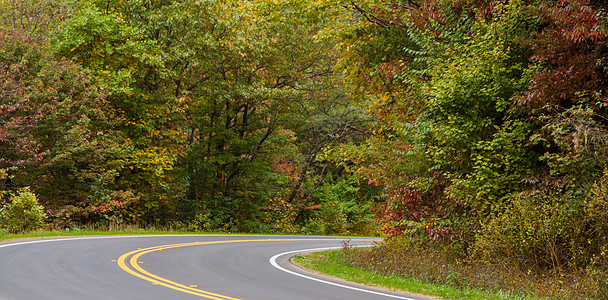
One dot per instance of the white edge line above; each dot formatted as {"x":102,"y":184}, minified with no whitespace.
{"x":273,"y":261}
{"x":53,"y":239}
{"x":48,"y":240}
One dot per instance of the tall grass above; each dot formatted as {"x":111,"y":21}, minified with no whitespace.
{"x":441,"y":266}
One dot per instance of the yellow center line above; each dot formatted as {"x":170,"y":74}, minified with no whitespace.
{"x":134,"y":268}
{"x":141,"y":273}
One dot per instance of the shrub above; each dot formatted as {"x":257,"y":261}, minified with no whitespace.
{"x":596,"y":212}
{"x":342,"y":206}
{"x":539,"y":232}
{"x":560,"y":239}
{"x":23,"y":213}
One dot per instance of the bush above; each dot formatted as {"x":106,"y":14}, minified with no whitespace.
{"x":540,"y":232}
{"x":343,"y":207}
{"x":23,"y":213}
{"x":596,"y":212}
{"x":560,"y":239}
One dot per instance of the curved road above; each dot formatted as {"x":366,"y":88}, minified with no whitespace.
{"x":221,"y":267}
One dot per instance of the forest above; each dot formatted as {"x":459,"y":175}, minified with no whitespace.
{"x":476,"y":126}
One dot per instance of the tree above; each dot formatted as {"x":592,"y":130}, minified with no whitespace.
{"x":444,"y":105}
{"x":490,"y":127}
{"x":204,"y":92}
{"x":33,"y":17}
{"x":53,"y":132}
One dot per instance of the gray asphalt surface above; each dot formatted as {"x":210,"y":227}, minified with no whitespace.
{"x":88,"y":268}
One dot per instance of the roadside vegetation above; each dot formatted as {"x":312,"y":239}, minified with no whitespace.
{"x":403,"y":266}
{"x":477,"y":129}
{"x":87,"y":231}
{"x":350,"y":265}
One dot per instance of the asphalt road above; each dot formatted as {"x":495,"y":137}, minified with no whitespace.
{"x":225,"y":267}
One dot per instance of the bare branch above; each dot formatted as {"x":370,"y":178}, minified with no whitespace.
{"x":376,"y":20}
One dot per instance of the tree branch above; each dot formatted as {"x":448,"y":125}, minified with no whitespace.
{"x":376,"y":20}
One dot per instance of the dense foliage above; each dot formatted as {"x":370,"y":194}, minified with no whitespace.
{"x":478,"y":125}
{"x":492,"y":122}
{"x":192,"y":114}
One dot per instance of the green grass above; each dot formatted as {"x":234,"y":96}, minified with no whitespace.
{"x":83,"y":232}
{"x":114,"y":230}
{"x":331,"y":263}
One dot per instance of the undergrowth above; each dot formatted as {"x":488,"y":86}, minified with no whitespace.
{"x":398,"y":256}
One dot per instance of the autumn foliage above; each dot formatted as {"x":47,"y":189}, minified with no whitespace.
{"x":477,"y":126}
{"x":491,"y":127}
{"x":199,"y":115}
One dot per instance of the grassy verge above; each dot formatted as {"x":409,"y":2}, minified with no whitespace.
{"x":96,"y":230}
{"x":333,"y":263}
{"x":112,"y":230}
{"x":82,"y":232}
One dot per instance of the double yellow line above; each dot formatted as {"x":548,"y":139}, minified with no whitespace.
{"x":129,"y":262}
